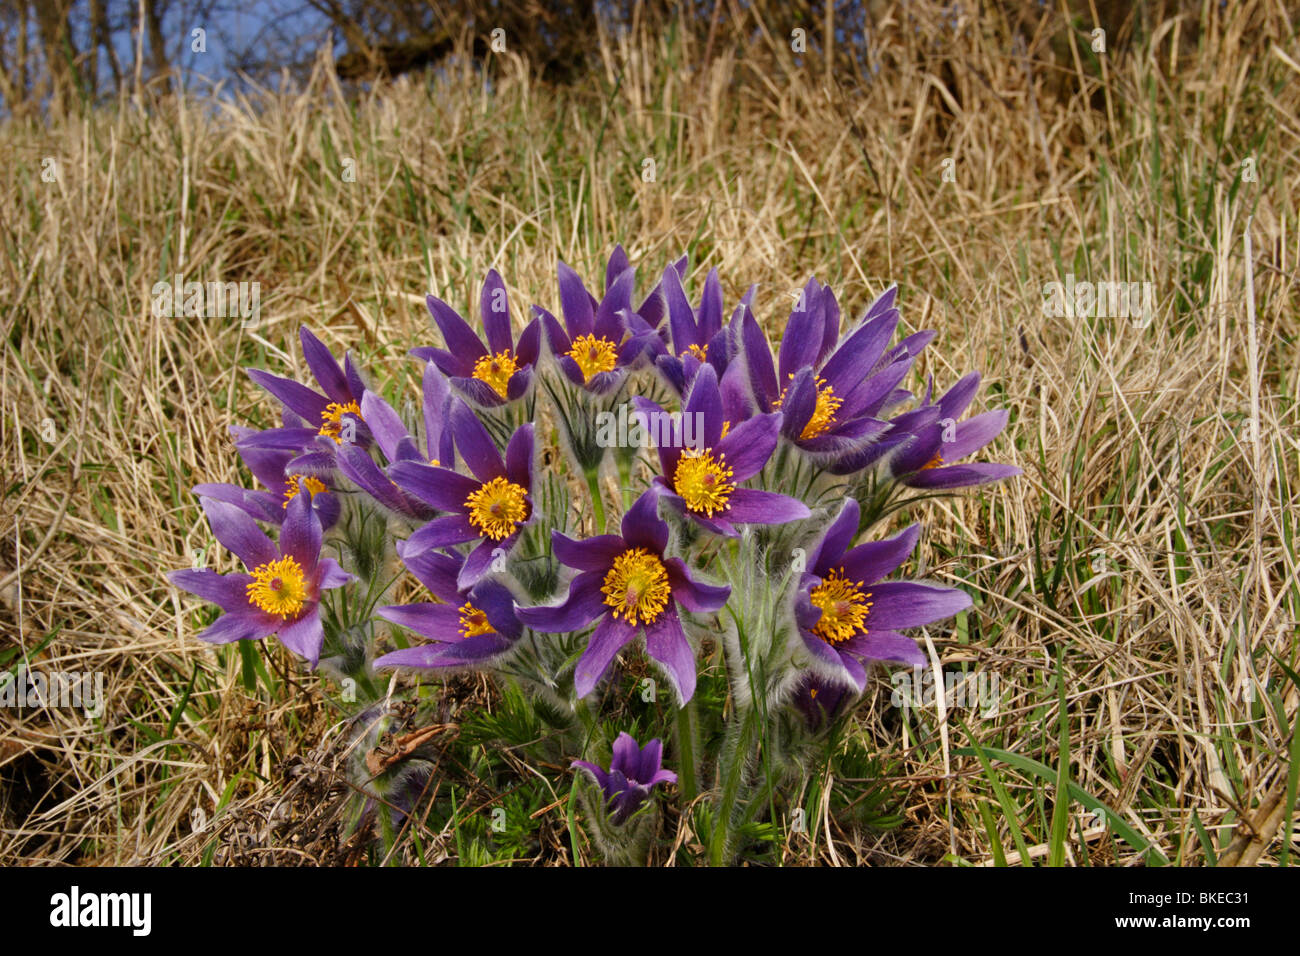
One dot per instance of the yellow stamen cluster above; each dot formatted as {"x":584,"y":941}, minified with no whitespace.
{"x":332,"y":419}
{"x":701,"y":352}
{"x":703,"y":482}
{"x":844,"y":608}
{"x":934,"y":462}
{"x":636,"y":586}
{"x":828,"y":403}
{"x":297,"y":483}
{"x":496,"y":507}
{"x":496,"y":370}
{"x":594,"y":355}
{"x":278,"y":587}
{"x":473,"y":621}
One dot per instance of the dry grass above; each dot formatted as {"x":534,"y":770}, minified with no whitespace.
{"x":1151,"y":540}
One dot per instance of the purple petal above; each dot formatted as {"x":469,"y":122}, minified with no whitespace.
{"x":305,"y":636}
{"x":900,"y":604}
{"x":437,"y":408}
{"x":462,"y":342}
{"x":886,"y":646}
{"x":758,"y":359}
{"x":956,"y":400}
{"x":331,"y":575}
{"x":626,"y":756}
{"x":385,"y":424}
{"x":590,"y":554}
{"x":443,"y":532}
{"x":324,"y":367}
{"x":435,"y":570}
{"x":575,"y":302}
{"x":475,"y":444}
{"x":802,"y":338}
{"x":261,"y":505}
{"x":859,"y":353}
{"x":227,"y":591}
{"x":666,"y":642}
{"x":438,"y":622}
{"x":750,"y":506}
{"x":973,"y":434}
{"x":704,"y":405}
{"x":584,"y":603}
{"x":642,"y":526}
{"x":961,"y":476}
{"x":750,"y":444}
{"x":239,"y":533}
{"x":696,"y":596}
{"x":830,"y":547}
{"x":519,"y":456}
{"x":611,"y":635}
{"x":440,"y":487}
{"x":868,"y":563}
{"x":300,"y":534}
{"x":300,"y":399}
{"x":479,"y":561}
{"x":530,"y":343}
{"x":239,"y":626}
{"x":495,"y":309}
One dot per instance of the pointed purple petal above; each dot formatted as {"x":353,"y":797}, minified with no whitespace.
{"x":611,"y":636}
{"x":584,"y":603}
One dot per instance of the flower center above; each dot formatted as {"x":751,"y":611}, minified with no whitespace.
{"x":297,"y":483}
{"x":496,"y":370}
{"x":844,"y":608}
{"x":497,"y":507}
{"x":636,"y":586}
{"x":934,"y":462}
{"x":701,"y":352}
{"x":594,"y":355}
{"x":828,"y":403}
{"x":332,"y":419}
{"x":703,"y":481}
{"x":473,"y":622}
{"x":278,"y":587}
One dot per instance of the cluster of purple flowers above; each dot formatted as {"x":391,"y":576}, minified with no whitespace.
{"x":828,"y":401}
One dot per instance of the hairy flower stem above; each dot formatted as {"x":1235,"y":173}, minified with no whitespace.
{"x":597,"y":501}
{"x":734,"y":758}
{"x":685,"y":725}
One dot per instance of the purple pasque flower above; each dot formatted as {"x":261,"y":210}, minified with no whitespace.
{"x":281,"y":593}
{"x":333,"y":414}
{"x":701,"y":468}
{"x":269,"y":466}
{"x":396,"y":444}
{"x":467,"y":626}
{"x":634,"y":771}
{"x":651,"y":309}
{"x":629,"y":587}
{"x":847,"y":614}
{"x":831,"y":394}
{"x":697,"y":335}
{"x":490,"y":373}
{"x":819,"y":700}
{"x":601,"y":339}
{"x":927,"y":460}
{"x":490,"y":507}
